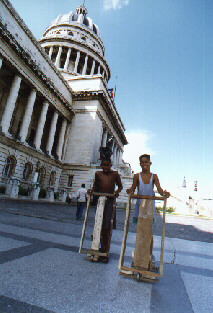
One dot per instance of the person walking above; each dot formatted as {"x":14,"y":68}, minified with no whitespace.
{"x":81,"y":201}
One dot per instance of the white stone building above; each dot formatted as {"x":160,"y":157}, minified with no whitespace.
{"x":55,"y":108}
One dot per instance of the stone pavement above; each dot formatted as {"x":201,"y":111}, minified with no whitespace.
{"x":42,"y":271}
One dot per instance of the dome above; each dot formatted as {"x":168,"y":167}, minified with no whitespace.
{"x":79,"y":16}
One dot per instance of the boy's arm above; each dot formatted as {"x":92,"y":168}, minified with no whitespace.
{"x":162,"y":192}
{"x":119,"y":184}
{"x":134,"y":184}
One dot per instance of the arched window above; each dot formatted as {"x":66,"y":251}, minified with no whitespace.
{"x":83,"y":38}
{"x":9,"y":167}
{"x":41,"y":175}
{"x":52,"y":178}
{"x":70,"y":33}
{"x":75,"y":17}
{"x":70,"y":180}
{"x":28,"y":168}
{"x":86,"y":22}
{"x":94,"y":29}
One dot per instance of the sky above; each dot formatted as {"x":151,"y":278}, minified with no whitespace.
{"x":160,"y":55}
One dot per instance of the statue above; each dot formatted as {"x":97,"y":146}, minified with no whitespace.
{"x":106,"y":152}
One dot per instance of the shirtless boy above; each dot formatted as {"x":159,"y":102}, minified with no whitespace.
{"x":105,"y":182}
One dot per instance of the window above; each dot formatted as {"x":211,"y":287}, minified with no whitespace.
{"x":52,"y":178}
{"x":94,"y":29}
{"x":70,"y":33}
{"x":41,"y":175}
{"x":10,"y":165}
{"x":70,"y":180}
{"x":75,"y":17}
{"x":28,"y":168}
{"x":83,"y":38}
{"x":86,"y":21}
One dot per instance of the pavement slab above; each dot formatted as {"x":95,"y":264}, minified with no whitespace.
{"x":42,"y":271}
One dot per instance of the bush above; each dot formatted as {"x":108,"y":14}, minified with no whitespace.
{"x":170,"y":209}
{"x":2,"y":189}
{"x":23,"y":191}
{"x":42,"y":193}
{"x":159,"y":209}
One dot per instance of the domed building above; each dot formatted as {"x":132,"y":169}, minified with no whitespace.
{"x":74,"y":44}
{"x":57,"y":116}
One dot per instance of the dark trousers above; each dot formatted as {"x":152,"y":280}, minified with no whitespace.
{"x":80,"y":208}
{"x":108,"y":224}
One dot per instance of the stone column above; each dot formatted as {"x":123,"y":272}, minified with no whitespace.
{"x":77,"y":61}
{"x":66,"y":139}
{"x":99,"y":69}
{"x":1,"y":61}
{"x":10,"y":105}
{"x":120,"y":157}
{"x":67,"y":59}
{"x":114,"y":155}
{"x":85,"y":65}
{"x":41,"y":122}
{"x":57,"y":61}
{"x":93,"y":68}
{"x":117,"y":156}
{"x":52,"y":133}
{"x":61,"y":139}
{"x":113,"y":144}
{"x":27,"y":115}
{"x":104,"y":138}
{"x":50,"y":52}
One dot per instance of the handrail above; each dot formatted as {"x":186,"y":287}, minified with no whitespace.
{"x":147,"y":197}
{"x":101,"y":194}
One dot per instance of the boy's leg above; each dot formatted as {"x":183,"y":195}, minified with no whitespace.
{"x":105,"y":240}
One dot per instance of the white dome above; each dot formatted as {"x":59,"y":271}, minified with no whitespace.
{"x":79,"y":16}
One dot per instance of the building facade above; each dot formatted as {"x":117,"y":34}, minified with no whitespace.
{"x":55,"y":109}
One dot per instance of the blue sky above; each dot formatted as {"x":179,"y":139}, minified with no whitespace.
{"x":161,"y":52}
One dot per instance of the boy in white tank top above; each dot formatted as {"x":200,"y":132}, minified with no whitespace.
{"x":145,"y":182}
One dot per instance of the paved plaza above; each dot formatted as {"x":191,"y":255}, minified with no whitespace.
{"x":42,"y":271}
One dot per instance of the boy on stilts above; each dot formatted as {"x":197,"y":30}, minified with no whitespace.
{"x":145,"y":182}
{"x":105,"y":182}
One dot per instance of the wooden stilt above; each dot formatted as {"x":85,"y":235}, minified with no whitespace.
{"x":141,"y":256}
{"x":93,"y":254}
{"x":126,"y":228}
{"x":98,"y":224}
{"x":144,"y":234}
{"x":85,"y":224}
{"x":163,"y":237}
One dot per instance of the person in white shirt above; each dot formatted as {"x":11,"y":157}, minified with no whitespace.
{"x":81,"y":201}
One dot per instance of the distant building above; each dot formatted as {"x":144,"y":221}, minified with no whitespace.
{"x":184,"y":183}
{"x":55,"y":108}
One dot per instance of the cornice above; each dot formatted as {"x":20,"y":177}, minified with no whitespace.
{"x":101,"y":96}
{"x":10,"y":39}
{"x":76,"y":26}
